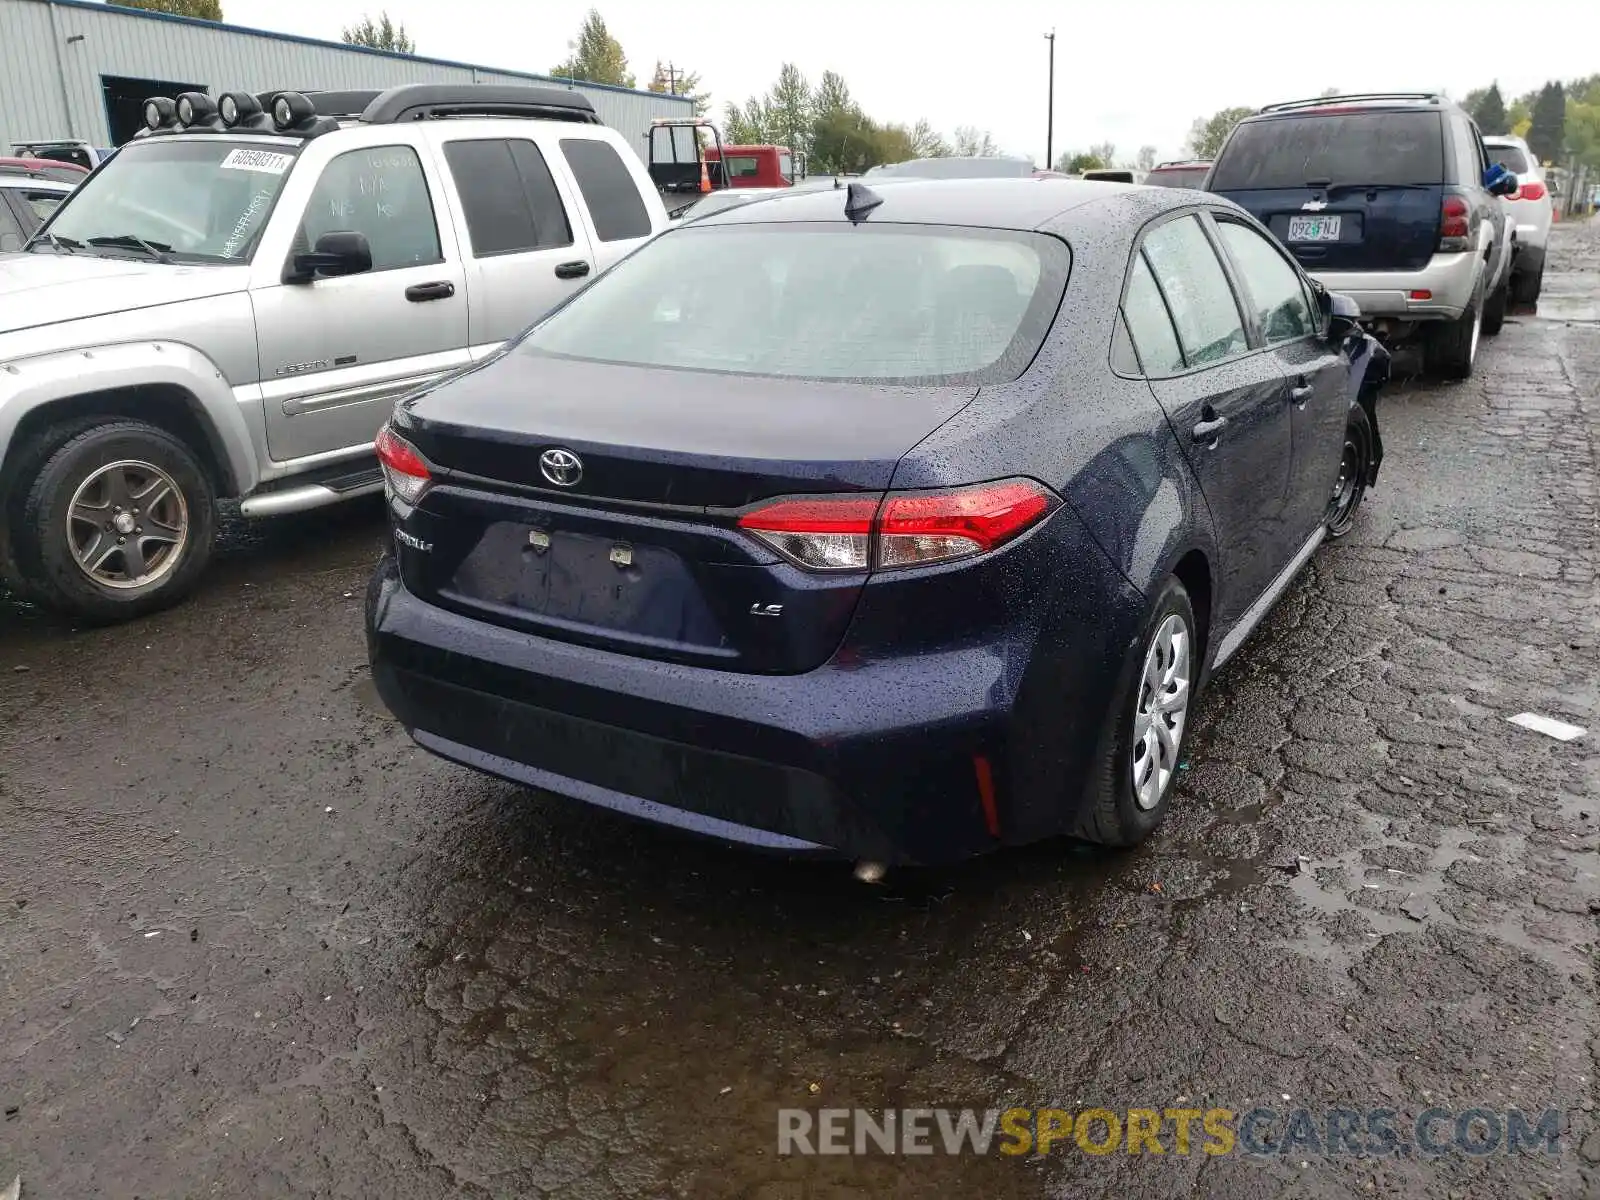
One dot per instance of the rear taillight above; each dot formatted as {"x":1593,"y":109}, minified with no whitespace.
{"x":1532,"y":190}
{"x":403,"y":469}
{"x":1453,"y":224}
{"x":907,"y":529}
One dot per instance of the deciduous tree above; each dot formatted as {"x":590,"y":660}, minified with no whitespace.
{"x":668,"y":80}
{"x":971,"y":142}
{"x":596,"y":57}
{"x":1207,"y":134}
{"x":206,"y":10}
{"x":382,"y":34}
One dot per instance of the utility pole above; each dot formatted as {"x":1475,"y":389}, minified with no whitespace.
{"x":1050,"y":115}
{"x":672,"y":79}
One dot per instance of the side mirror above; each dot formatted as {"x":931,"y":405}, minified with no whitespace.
{"x":1498,"y":181}
{"x":1341,"y":314}
{"x":338,"y":253}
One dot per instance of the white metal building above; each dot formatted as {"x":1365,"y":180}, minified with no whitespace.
{"x":76,"y":69}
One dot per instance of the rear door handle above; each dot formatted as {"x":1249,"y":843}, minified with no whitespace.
{"x":418,"y":292}
{"x":572,"y":270}
{"x":1206,"y":431}
{"x":1301,"y":392}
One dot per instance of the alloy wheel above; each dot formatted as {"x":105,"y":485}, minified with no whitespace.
{"x":127,"y":525}
{"x":1160,"y":711}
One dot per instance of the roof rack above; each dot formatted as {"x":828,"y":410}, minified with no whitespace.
{"x":1363,"y":97}
{"x":305,"y":115}
{"x":426,"y":101}
{"x":1182,"y":162}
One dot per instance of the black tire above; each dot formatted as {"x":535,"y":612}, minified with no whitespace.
{"x":1111,"y":814}
{"x":1453,"y":348}
{"x":66,"y":459}
{"x":1355,"y":472}
{"x":1525,"y":288}
{"x":1494,"y":309}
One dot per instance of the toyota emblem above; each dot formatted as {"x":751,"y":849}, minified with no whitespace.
{"x":561,"y":467}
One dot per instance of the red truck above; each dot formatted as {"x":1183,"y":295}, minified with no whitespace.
{"x":688,"y":159}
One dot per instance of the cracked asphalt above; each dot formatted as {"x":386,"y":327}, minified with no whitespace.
{"x":254,"y":944}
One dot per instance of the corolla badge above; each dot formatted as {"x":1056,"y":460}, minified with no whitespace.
{"x":561,"y":467}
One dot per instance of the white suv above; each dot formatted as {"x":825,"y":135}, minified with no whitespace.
{"x":231,"y":305}
{"x":1531,"y":208}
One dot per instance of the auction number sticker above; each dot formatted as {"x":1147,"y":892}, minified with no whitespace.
{"x":263,"y":161}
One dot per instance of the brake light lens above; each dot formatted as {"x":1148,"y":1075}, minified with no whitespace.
{"x":1532,"y":190}
{"x":404,"y":472}
{"x":904,"y":529}
{"x":1453,"y":224}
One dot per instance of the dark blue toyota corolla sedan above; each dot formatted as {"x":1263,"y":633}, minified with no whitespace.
{"x":890,"y":525}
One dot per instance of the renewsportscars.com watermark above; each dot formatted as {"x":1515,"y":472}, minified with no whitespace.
{"x":1261,"y":1132}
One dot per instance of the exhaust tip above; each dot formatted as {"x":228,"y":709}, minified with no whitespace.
{"x":870,"y":872}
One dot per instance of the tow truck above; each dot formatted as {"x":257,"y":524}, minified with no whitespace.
{"x":689,"y":159}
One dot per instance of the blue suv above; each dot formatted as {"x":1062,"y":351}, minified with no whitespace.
{"x":1390,"y":199}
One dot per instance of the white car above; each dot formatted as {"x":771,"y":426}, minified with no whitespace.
{"x":1531,"y":208}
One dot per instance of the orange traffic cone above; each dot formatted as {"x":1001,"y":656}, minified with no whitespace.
{"x":705,"y":176}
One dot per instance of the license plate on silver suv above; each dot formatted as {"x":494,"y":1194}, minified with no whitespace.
{"x":1314,"y":229}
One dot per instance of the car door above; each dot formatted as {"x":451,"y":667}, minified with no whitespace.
{"x":522,"y":250}
{"x":336,"y":352}
{"x":1317,"y":373}
{"x":1224,"y":398}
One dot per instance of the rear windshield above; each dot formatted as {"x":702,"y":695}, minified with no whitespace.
{"x":1336,"y":149}
{"x":1510,"y":157}
{"x":915,"y":304}
{"x":1178,"y":177}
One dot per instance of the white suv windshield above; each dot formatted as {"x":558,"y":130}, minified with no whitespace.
{"x":198,"y":199}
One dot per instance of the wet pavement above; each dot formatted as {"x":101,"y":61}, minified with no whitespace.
{"x":253,"y":943}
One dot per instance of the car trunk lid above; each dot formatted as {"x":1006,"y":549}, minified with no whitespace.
{"x":638,"y":550}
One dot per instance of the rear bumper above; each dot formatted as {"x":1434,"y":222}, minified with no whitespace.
{"x":1449,"y":280}
{"x":869,"y":759}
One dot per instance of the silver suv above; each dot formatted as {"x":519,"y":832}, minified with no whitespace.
{"x":231,"y":305}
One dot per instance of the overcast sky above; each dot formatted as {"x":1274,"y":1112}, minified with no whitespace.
{"x":1132,"y":72}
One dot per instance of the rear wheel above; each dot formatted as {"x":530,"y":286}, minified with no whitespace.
{"x":1141,"y":746}
{"x":1494,"y":308}
{"x":1453,"y":349}
{"x":1355,"y":470}
{"x":1525,"y":288}
{"x":117,"y":521}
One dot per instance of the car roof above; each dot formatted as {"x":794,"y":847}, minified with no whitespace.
{"x":973,"y":203}
{"x":1505,"y":139}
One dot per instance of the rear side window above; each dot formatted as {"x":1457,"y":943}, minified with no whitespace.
{"x":1190,"y":178}
{"x":1149,"y":323}
{"x":42,"y":203}
{"x":498,"y":181}
{"x":1510,"y":157}
{"x":1335,"y":148}
{"x":1197,"y":292}
{"x":1280,"y":302}
{"x":915,"y":304}
{"x":10,"y":231}
{"x":608,"y":189}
